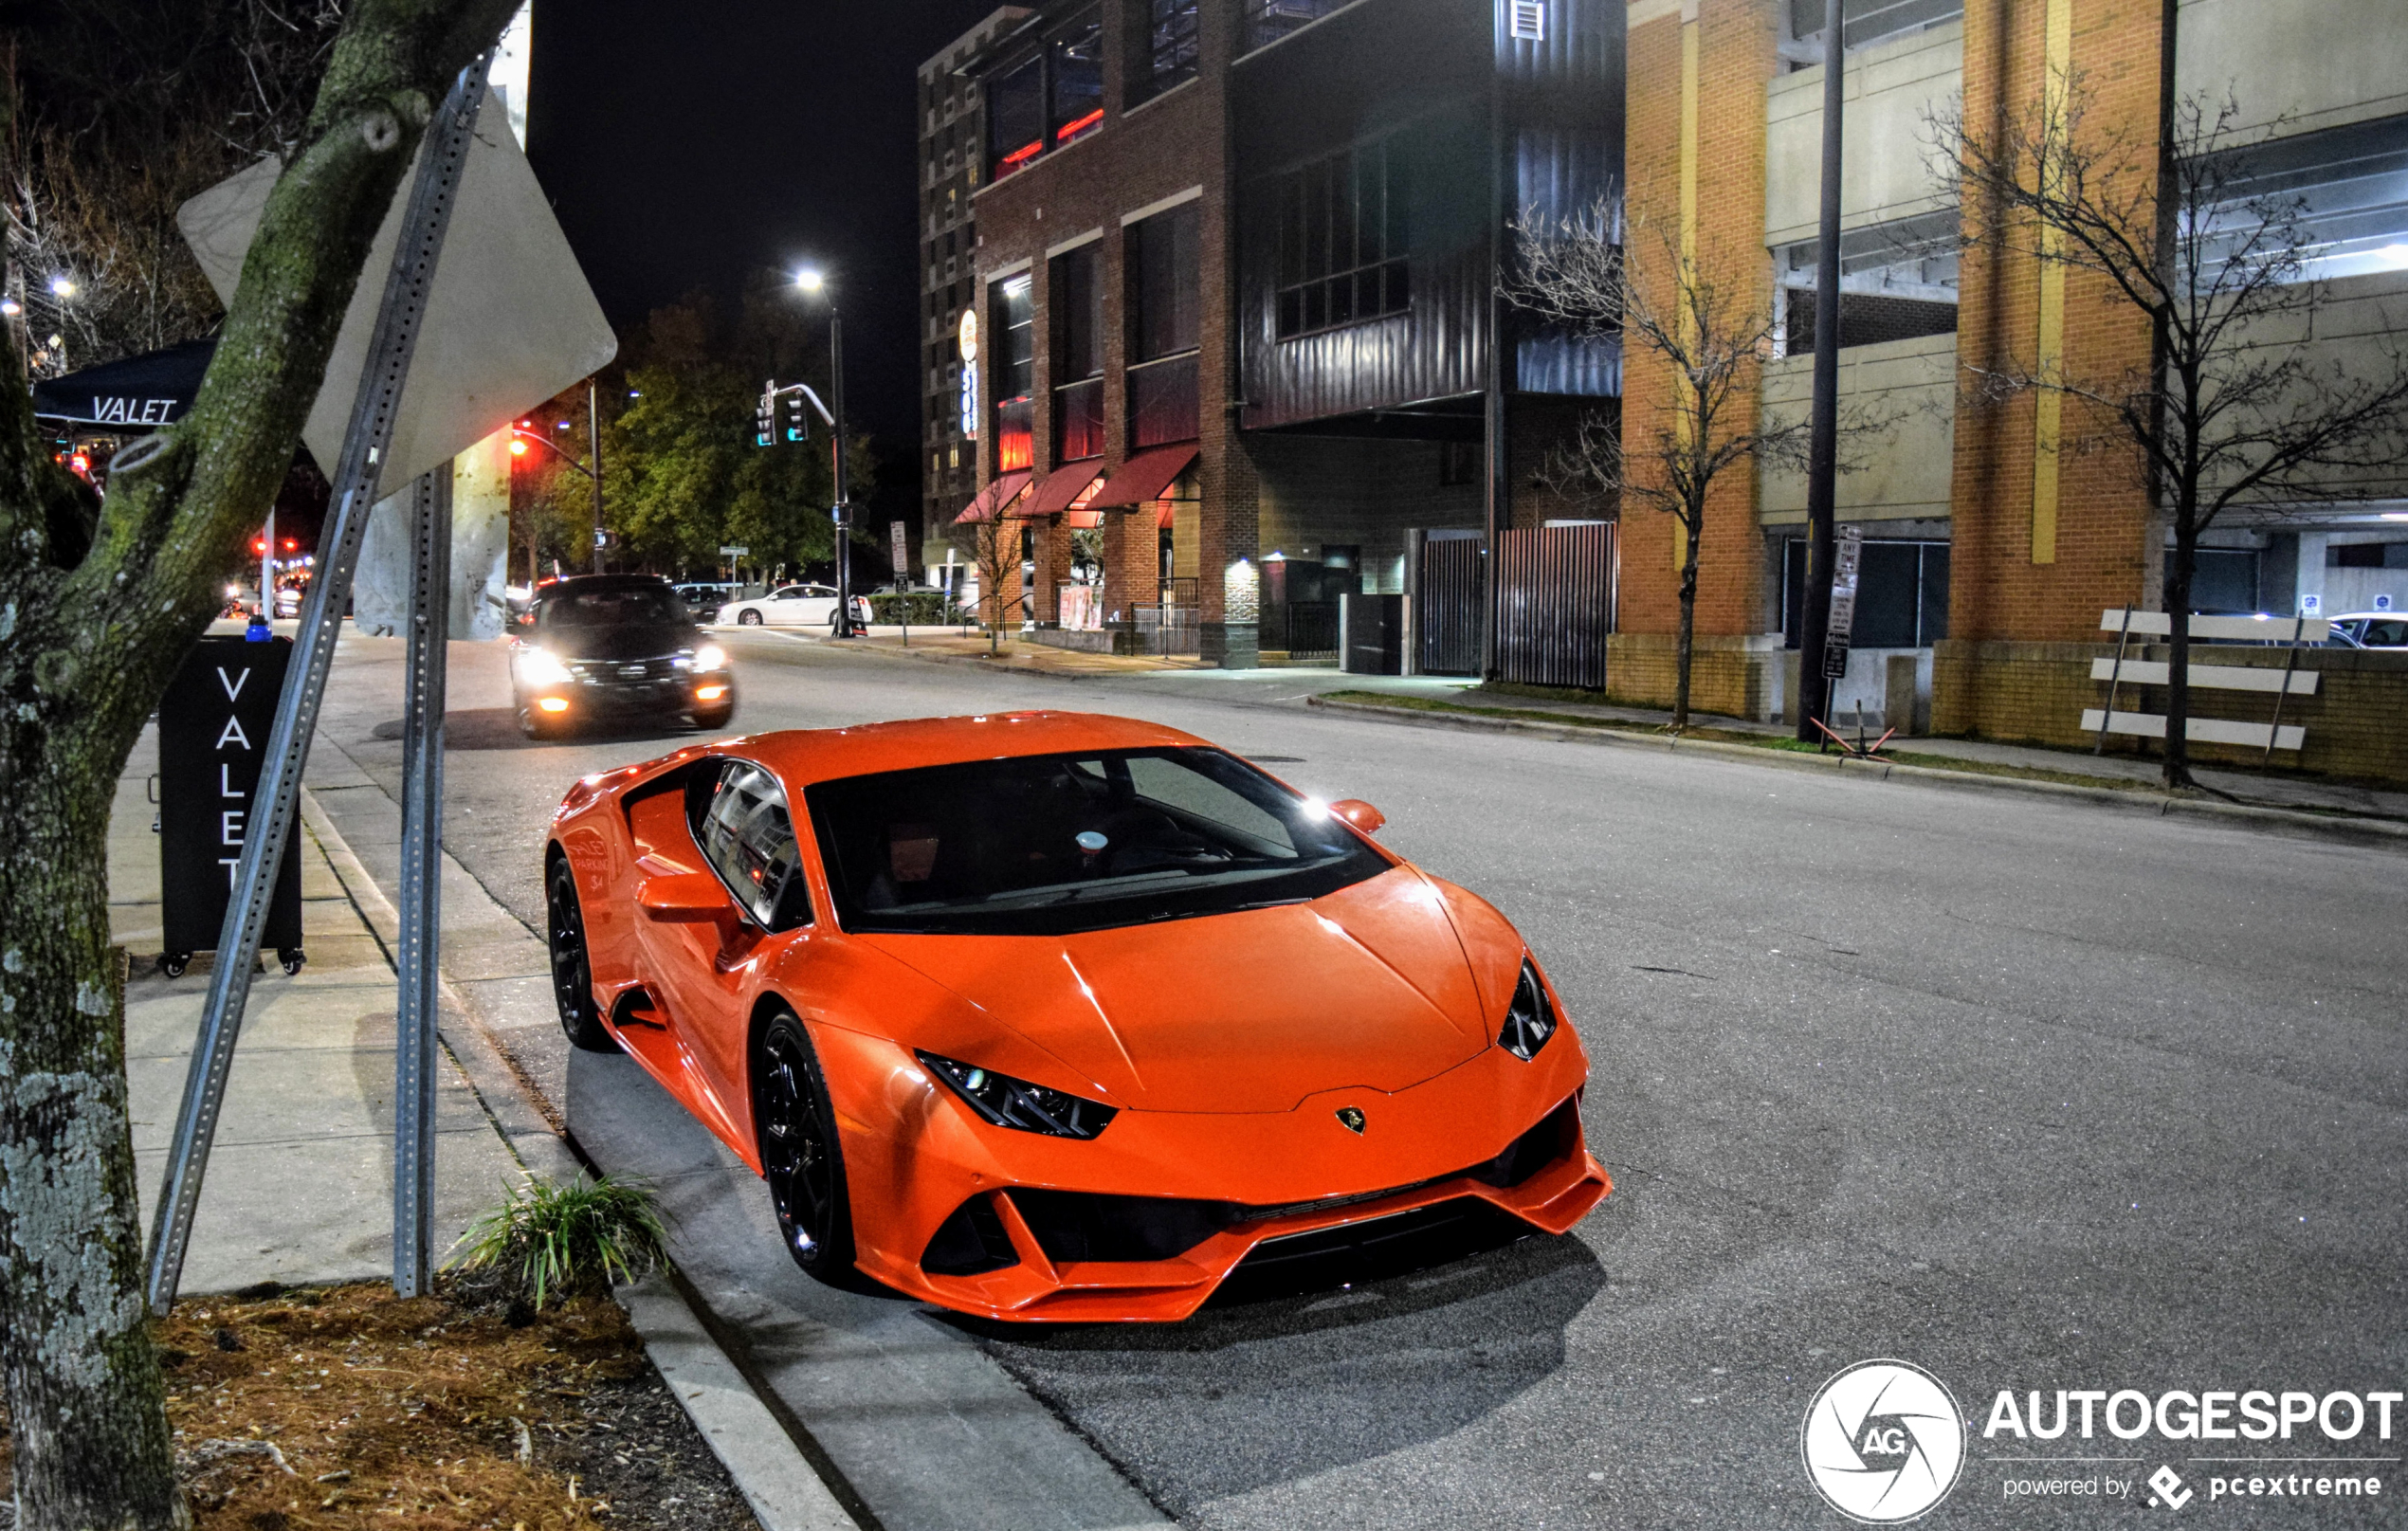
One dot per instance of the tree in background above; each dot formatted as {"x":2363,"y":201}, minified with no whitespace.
{"x":1708,"y":337}
{"x":95,"y":616}
{"x":682,"y":475}
{"x":126,"y":109}
{"x":2230,"y":408}
{"x":995,"y":557}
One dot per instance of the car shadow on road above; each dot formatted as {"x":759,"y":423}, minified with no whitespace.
{"x":1289,"y":1385}
{"x":497,"y":728}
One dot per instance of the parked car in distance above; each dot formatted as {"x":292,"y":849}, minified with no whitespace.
{"x":703,"y":598}
{"x":2369,"y":629}
{"x":615,"y":648}
{"x":787,"y":606}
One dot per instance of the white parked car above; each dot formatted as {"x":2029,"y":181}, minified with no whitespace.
{"x":787,"y":606}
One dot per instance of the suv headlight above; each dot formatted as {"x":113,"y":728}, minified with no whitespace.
{"x":537,"y":667}
{"x":710,"y":656}
{"x":1531,"y":1020}
{"x":1005,"y":1101}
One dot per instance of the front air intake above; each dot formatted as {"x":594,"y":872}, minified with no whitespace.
{"x":970,"y":1243}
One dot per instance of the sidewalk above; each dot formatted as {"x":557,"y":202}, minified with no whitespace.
{"x":299,"y":1181}
{"x":2305,"y":800}
{"x":951,"y":646}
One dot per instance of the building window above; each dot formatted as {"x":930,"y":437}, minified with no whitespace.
{"x":1074,"y":301}
{"x":1902,"y":594}
{"x":1074,"y":83}
{"x":1267,"y":21}
{"x":1343,"y":236}
{"x":1166,"y":300}
{"x":1164,"y":33}
{"x":1528,"y":20}
{"x":2347,"y":187}
{"x":1011,"y":320}
{"x":1016,"y":115}
{"x":1872,"y":21}
{"x":1897,"y":281}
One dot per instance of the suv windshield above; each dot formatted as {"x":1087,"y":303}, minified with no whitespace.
{"x":1054,"y":844}
{"x":624,"y":606}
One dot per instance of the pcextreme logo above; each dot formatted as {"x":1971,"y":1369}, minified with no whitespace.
{"x":1883,"y":1442}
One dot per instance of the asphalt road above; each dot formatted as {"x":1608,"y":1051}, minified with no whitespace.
{"x":2033,"y":1095}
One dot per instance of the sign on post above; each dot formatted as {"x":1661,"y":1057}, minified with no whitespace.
{"x":1850,"y":553}
{"x":901,"y":548}
{"x":734,"y":550}
{"x":214,"y":723}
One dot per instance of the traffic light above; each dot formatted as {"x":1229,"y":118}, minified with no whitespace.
{"x":765,"y":420}
{"x":797,"y":417}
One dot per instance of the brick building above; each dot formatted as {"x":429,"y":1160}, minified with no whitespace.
{"x":1993,"y":537}
{"x":952,"y":166}
{"x":1240,"y":331}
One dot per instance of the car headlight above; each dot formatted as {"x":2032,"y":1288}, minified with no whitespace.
{"x":1531,"y":1020}
{"x":1005,"y":1101}
{"x":710,"y":656}
{"x":537,"y":667}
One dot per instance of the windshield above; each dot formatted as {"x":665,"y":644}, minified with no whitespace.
{"x":626,"y":606}
{"x":1054,"y":844}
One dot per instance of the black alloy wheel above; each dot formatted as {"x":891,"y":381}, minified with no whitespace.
{"x":748,"y":619}
{"x":801,"y":1157}
{"x":713,"y":721}
{"x":571,"y":975}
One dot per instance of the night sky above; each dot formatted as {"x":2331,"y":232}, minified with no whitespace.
{"x":686,"y":145}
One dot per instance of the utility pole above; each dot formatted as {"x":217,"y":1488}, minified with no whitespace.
{"x":594,"y":444}
{"x":1822,"y":460}
{"x":843,"y":513}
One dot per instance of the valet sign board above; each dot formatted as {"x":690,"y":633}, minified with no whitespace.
{"x":213,"y":726}
{"x":510,"y":321}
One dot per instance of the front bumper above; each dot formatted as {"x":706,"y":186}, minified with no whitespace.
{"x":1148,"y":1220}
{"x":651,"y":696}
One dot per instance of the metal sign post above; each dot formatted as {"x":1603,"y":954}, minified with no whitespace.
{"x":1839,"y":630}
{"x":366,"y":438}
{"x":421,"y":885}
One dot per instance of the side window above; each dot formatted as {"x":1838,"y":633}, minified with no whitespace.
{"x":748,"y":837}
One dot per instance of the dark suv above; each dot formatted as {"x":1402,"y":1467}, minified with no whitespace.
{"x":615,"y":648}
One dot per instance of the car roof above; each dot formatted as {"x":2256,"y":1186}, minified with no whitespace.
{"x":804,"y":756}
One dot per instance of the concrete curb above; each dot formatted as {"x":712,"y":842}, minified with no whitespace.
{"x":777,"y":1479}
{"x":2383,"y":832}
{"x":997,"y":665}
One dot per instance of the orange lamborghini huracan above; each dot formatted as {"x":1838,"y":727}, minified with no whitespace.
{"x":1055,"y":1016}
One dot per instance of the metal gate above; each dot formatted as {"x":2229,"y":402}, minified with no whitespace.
{"x":1447,"y":620}
{"x":1555,"y":605}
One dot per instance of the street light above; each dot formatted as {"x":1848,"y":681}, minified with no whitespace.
{"x":813,"y":281}
{"x":62,"y":287}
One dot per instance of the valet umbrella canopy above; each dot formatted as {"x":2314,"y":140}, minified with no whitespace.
{"x":133,"y":394}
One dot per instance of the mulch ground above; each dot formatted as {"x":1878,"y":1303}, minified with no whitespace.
{"x":347,"y":1407}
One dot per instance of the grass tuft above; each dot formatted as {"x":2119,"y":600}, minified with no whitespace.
{"x":559,"y":1239}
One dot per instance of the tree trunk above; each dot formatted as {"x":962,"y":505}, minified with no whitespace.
{"x":1687,"y":644}
{"x":85,"y":1397}
{"x":2177,"y":686}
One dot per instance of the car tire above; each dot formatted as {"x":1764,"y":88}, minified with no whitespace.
{"x":748,"y":619}
{"x":708,"y":721}
{"x":571,"y":971}
{"x":802,"y":1155}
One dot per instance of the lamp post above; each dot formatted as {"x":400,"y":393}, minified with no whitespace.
{"x":814,"y":282}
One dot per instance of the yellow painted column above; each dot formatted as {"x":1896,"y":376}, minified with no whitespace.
{"x":2048,"y":428}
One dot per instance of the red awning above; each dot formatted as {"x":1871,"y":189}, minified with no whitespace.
{"x":1002,"y":492}
{"x":1162,"y":517}
{"x":1145,"y":476}
{"x":1060,"y":488}
{"x":1082,"y":521}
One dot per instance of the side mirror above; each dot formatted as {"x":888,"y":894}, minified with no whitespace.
{"x":684,"y":896}
{"x":1358,"y":813}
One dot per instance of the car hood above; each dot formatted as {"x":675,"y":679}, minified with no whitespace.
{"x":633,"y":641}
{"x":1250,"y":1012}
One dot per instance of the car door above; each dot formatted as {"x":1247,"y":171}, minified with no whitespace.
{"x":744,"y":832}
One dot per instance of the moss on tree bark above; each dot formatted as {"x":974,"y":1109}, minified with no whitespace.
{"x":92,"y":623}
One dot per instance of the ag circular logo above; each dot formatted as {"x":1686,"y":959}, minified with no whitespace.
{"x":1883,"y":1442}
